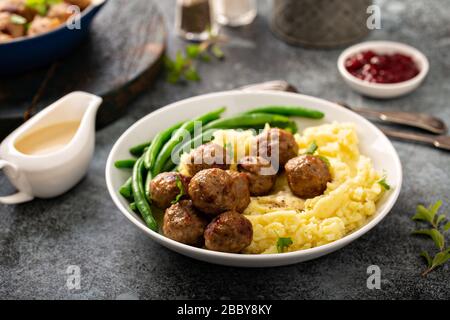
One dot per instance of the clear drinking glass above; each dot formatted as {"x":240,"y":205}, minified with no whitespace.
{"x":235,"y":13}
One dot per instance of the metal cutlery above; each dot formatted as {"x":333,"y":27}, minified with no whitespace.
{"x":439,"y":141}
{"x":277,"y":85}
{"x":411,"y":119}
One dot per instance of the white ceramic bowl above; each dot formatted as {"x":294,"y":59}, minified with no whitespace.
{"x":373,"y":143}
{"x":384,"y":90}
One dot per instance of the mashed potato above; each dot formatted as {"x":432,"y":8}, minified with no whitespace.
{"x":347,"y":204}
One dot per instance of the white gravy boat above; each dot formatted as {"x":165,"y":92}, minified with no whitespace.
{"x":51,"y":174}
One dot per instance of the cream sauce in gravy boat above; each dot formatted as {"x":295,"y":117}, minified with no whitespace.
{"x":64,"y":157}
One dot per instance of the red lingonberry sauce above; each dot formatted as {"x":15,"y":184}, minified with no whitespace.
{"x":382,"y":68}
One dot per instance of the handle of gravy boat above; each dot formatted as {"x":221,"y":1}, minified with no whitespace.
{"x":19,"y":197}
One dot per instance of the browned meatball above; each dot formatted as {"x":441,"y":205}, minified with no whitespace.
{"x":276,"y":143}
{"x":5,"y":37}
{"x":229,"y":232}
{"x":17,"y":7}
{"x":208,"y":156}
{"x":184,"y":224}
{"x":260,"y":174}
{"x":41,"y":25}
{"x":164,"y":189}
{"x":307,"y":176}
{"x":60,"y":11}
{"x":82,"y":4}
{"x":241,"y":190}
{"x":214,"y":191}
{"x":8,"y":27}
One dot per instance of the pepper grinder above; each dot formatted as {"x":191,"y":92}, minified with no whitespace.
{"x":194,"y":20}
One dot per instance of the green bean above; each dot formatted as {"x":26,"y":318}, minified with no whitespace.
{"x":139,"y":149}
{"x":248,"y":120}
{"x":289,"y":111}
{"x":160,"y":139}
{"x":125,"y":164}
{"x":292,"y":127}
{"x":140,"y":199}
{"x":188,"y":145}
{"x":188,"y":126}
{"x":125,"y":190}
{"x":148,"y":179}
{"x":196,"y":141}
{"x":169,"y":166}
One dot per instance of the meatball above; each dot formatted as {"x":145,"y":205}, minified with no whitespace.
{"x":5,"y":37}
{"x":8,"y":27}
{"x":229,"y":232}
{"x":164,"y":188}
{"x":60,"y":11}
{"x":276,"y":142}
{"x":307,"y":176}
{"x":184,"y":224}
{"x":241,"y":190}
{"x":214,"y":191}
{"x":82,"y":4}
{"x":260,"y":174}
{"x":42,"y":25}
{"x":17,"y":7}
{"x":208,"y":156}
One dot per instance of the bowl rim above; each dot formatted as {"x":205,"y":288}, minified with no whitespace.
{"x":23,"y":39}
{"x":417,"y":56}
{"x":194,"y":251}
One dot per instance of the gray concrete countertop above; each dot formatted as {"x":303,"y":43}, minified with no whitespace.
{"x":39,"y":240}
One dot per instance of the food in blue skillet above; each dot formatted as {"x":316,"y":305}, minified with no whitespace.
{"x":27,"y":18}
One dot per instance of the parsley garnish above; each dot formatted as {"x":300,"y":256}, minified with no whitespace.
{"x":384,"y":184}
{"x":311,"y":148}
{"x":16,"y":19}
{"x":180,"y":187}
{"x":41,"y":6}
{"x":325,"y":159}
{"x":283,"y":243}
{"x":228,"y":147}
{"x":430,"y":216}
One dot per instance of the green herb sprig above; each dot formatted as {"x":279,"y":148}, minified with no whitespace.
{"x":40,"y":6}
{"x":384,"y":184}
{"x":184,"y":67}
{"x":283,"y":244}
{"x":312,"y":148}
{"x":436,"y":233}
{"x":228,"y":147}
{"x":180,"y":187}
{"x":16,"y":19}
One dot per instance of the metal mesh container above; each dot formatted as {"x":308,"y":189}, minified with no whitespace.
{"x":320,"y":23}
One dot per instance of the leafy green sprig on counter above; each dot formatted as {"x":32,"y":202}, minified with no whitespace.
{"x":436,"y":232}
{"x":184,"y":66}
